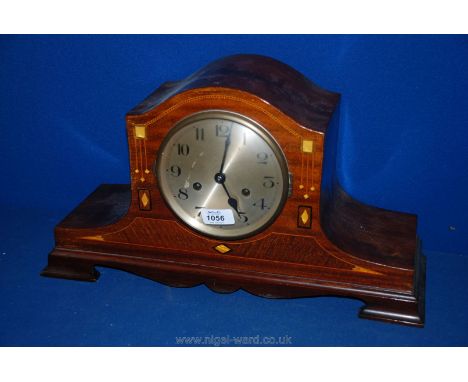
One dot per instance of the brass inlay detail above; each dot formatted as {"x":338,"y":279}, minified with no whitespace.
{"x":96,"y":237}
{"x":145,"y":200}
{"x":144,"y":197}
{"x":307,"y":146}
{"x":307,"y":166}
{"x":223,"y":97}
{"x":365,"y":270}
{"x":110,"y":239}
{"x":221,"y":248}
{"x":140,"y":131}
{"x":205,"y":97}
{"x":140,"y":150}
{"x":305,"y":217}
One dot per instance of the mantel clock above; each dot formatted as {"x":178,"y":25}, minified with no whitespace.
{"x":233,"y":185}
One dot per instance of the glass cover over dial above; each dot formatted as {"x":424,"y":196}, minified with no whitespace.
{"x":222,"y":174}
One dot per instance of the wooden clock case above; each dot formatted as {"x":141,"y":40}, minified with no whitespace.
{"x":324,"y":242}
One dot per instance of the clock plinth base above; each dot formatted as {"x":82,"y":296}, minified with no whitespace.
{"x":383,"y":306}
{"x":76,"y":256}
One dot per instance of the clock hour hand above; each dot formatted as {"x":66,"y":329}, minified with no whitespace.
{"x":231,"y":201}
{"x":220,"y":178}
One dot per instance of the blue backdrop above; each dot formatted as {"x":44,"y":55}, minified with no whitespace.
{"x":403,"y":146}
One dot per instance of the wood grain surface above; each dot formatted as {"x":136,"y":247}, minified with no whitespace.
{"x":324,"y":242}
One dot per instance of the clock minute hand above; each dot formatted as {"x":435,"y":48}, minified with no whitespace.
{"x":226,"y":146}
{"x":220,"y":177}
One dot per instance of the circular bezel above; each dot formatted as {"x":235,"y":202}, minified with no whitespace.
{"x":209,"y":230}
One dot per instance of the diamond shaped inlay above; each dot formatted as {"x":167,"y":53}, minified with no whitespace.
{"x":144,"y":200}
{"x":304,"y":217}
{"x":221,"y":248}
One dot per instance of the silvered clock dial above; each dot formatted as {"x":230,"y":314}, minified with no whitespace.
{"x":222,"y":174}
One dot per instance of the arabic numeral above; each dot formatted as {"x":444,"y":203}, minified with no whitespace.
{"x":243,"y":217}
{"x":222,"y":131}
{"x":268,"y":182}
{"x":175,"y":171}
{"x":182,"y":195}
{"x":262,"y":158}
{"x":183,"y":149}
{"x":199,"y":134}
{"x":261,"y":204}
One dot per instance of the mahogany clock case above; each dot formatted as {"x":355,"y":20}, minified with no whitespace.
{"x":323,"y":242}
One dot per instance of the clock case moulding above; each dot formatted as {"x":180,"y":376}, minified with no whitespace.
{"x":338,"y":247}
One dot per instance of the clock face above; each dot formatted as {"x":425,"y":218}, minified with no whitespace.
{"x":222,"y":174}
